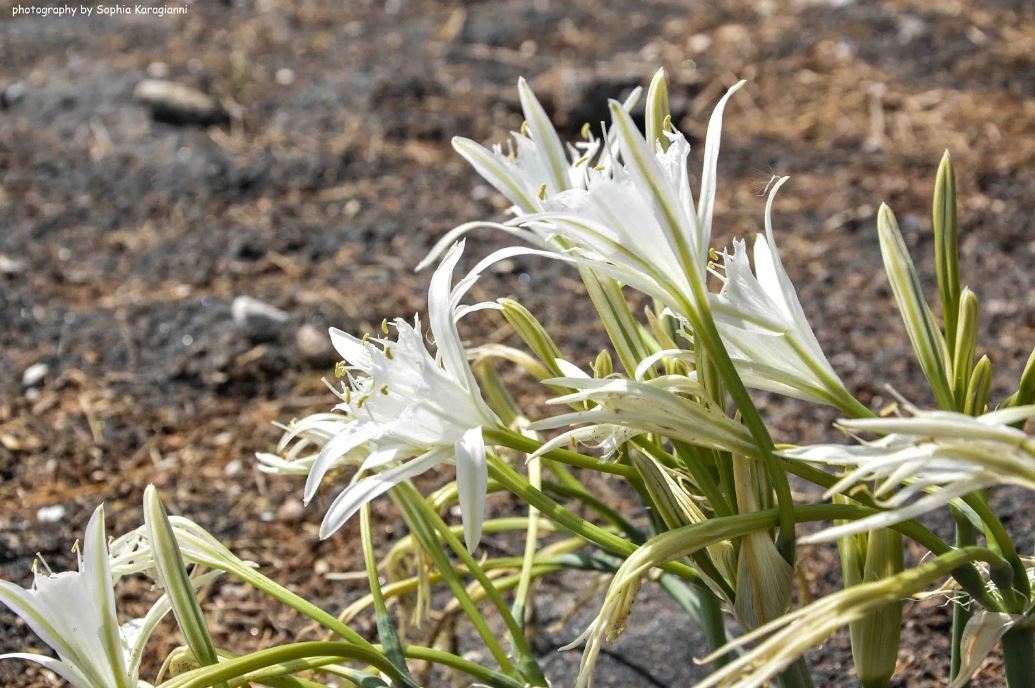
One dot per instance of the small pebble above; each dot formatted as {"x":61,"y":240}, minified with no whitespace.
{"x":11,"y":266}
{"x":259,"y":319}
{"x":50,"y":514}
{"x":291,"y":511}
{"x":175,"y":103}
{"x":34,"y":374}
{"x":314,"y":346}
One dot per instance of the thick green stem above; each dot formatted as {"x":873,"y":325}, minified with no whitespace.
{"x":529,"y":667}
{"x":796,"y":675}
{"x":517,"y":441}
{"x":707,"y":334}
{"x":426,"y":535}
{"x":714,"y":626}
{"x":965,"y":535}
{"x":500,"y":471}
{"x":1019,"y":655}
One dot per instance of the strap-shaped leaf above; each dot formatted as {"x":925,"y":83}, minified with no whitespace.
{"x":946,"y":246}
{"x":172,"y":575}
{"x":928,"y":342}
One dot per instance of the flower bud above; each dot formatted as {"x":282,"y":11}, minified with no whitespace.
{"x":657,"y":111}
{"x":532,"y":333}
{"x":866,"y":558}
{"x":928,"y":341}
{"x":946,"y":246}
{"x":966,"y":345}
{"x":980,"y":384}
{"x":764,"y":578}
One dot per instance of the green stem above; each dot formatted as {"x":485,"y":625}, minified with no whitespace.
{"x":506,"y":476}
{"x":1019,"y":655}
{"x":708,"y":335}
{"x":521,"y":595}
{"x":714,"y":626}
{"x":232,"y":668}
{"x":385,"y":629}
{"x":965,"y":536}
{"x":426,"y":536}
{"x":517,"y":441}
{"x":529,"y":666}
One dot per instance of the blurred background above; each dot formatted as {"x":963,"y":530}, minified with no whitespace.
{"x":187,"y":202}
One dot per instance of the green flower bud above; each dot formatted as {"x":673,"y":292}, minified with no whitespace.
{"x":966,"y":345}
{"x":928,"y":341}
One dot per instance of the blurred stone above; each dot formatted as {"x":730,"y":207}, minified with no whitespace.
{"x":291,"y":511}
{"x":12,"y":95}
{"x":50,"y":514}
{"x":34,"y":374}
{"x":175,"y":103}
{"x":258,"y":319}
{"x":314,"y":346}
{"x":11,"y":266}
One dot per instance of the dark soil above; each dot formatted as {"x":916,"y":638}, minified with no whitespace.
{"x":124,"y":241}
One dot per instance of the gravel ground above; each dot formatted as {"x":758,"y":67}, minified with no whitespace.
{"x":322,"y":172}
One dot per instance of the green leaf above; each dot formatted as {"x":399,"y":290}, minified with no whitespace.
{"x":946,"y":246}
{"x":171,"y":574}
{"x":385,"y":628}
{"x":928,"y":342}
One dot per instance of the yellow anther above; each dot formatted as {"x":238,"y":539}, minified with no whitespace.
{"x":666,"y":124}
{"x":586,"y":130}
{"x":384,"y":389}
{"x":525,"y":131}
{"x":713,"y":254}
{"x":599,"y":168}
{"x":384,"y":325}
{"x":339,"y":369}
{"x":888,"y":410}
{"x":542,"y":191}
{"x":582,"y":161}
{"x":388,"y":353}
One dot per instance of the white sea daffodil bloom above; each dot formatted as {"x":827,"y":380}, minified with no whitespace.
{"x":671,"y":405}
{"x":409,"y":410}
{"x":764,"y":327}
{"x":623,"y":209}
{"x":74,"y":613}
{"x":924,"y":461}
{"x":635,"y":219}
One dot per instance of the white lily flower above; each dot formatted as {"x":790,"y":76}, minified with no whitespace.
{"x":537,"y":165}
{"x":626,"y":408}
{"x":74,"y":613}
{"x":764,"y":326}
{"x":923,"y":462}
{"x":635,"y":219}
{"x":409,"y":410}
{"x":624,"y":210}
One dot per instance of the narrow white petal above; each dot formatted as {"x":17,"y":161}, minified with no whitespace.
{"x":472,"y":477}
{"x":340,"y":444}
{"x":347,"y":503}
{"x":62,"y":669}
{"x":706,"y":200}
